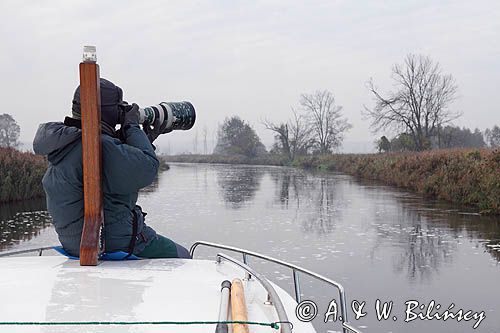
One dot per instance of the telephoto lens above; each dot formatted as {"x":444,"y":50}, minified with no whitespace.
{"x":168,"y":116}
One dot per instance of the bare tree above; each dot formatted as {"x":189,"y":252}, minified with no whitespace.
{"x":326,"y":121}
{"x":9,"y":131}
{"x":281,"y":136}
{"x":293,"y":138}
{"x":419,"y":104}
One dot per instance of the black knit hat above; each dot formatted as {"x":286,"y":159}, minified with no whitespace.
{"x":111,"y":96}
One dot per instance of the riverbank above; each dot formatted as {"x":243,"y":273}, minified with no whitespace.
{"x":20,"y":175}
{"x":469,"y":177}
{"x":226,"y":159}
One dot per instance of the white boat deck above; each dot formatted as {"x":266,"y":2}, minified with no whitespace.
{"x":57,"y":289}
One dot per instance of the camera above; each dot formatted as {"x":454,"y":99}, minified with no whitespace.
{"x":166,"y":116}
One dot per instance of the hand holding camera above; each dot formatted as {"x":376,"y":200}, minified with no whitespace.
{"x":130,"y":115}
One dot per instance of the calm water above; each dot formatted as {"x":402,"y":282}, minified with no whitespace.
{"x":380,"y":242}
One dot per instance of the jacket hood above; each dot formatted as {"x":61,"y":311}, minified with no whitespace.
{"x":51,"y":138}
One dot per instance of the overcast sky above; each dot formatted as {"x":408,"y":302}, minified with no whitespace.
{"x":246,"y":58}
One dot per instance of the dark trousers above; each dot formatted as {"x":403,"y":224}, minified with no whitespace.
{"x":162,"y":247}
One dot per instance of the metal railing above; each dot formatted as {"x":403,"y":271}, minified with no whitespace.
{"x":295,"y":269}
{"x":249,"y":272}
{"x":272,"y":295}
{"x":39,"y":250}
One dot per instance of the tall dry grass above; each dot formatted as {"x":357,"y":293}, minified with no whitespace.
{"x":20,"y":175}
{"x":462,"y":176}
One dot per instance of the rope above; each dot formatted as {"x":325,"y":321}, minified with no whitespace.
{"x":73,"y":323}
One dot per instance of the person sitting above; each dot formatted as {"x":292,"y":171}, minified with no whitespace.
{"x":129,"y":163}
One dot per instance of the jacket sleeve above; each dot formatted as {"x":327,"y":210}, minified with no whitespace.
{"x":129,"y":166}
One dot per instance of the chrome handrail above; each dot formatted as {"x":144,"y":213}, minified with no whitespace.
{"x":39,"y":250}
{"x":342,"y":294}
{"x":285,"y":325}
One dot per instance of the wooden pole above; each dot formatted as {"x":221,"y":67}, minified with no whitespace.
{"x":90,"y":101}
{"x":238,"y":306}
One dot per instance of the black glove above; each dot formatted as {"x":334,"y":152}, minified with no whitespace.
{"x":131,"y":116}
{"x":152,"y":132}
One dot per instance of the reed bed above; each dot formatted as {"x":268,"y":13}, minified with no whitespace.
{"x":20,"y":175}
{"x":462,"y":176}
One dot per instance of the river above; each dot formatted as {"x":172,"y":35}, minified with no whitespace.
{"x":381,"y":243}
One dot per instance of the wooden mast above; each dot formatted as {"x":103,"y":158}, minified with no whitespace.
{"x":90,"y":101}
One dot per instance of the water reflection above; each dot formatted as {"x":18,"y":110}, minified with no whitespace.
{"x":326,"y":200}
{"x":317,"y":202}
{"x":283,"y":181}
{"x":423,"y":235}
{"x":485,"y":231}
{"x":22,"y":221}
{"x":423,"y":252}
{"x":421,"y":247}
{"x":237,"y":185}
{"x":428,"y":236}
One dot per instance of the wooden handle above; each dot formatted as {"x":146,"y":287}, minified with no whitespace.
{"x":238,"y":306}
{"x":90,"y":101}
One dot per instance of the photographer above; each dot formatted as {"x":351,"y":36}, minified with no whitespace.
{"x":129,"y":164}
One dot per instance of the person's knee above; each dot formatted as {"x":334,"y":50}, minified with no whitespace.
{"x":182,"y":252}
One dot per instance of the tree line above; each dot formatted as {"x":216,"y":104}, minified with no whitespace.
{"x":445,"y":138}
{"x":417,"y":112}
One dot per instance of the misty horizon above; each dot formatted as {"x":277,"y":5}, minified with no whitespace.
{"x":255,"y":65}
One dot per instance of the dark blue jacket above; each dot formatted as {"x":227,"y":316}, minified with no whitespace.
{"x":127,"y":167}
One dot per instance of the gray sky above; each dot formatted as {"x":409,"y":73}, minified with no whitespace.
{"x":249,"y":58}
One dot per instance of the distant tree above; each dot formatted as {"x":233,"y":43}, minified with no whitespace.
{"x":325,"y":120}
{"x":195,"y":142}
{"x":493,"y":136}
{"x":205,"y":133}
{"x":383,"y":144}
{"x":420,"y":103}
{"x":292,"y":138}
{"x":403,"y":142}
{"x":456,"y":137}
{"x":236,"y":137}
{"x":9,"y":131}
